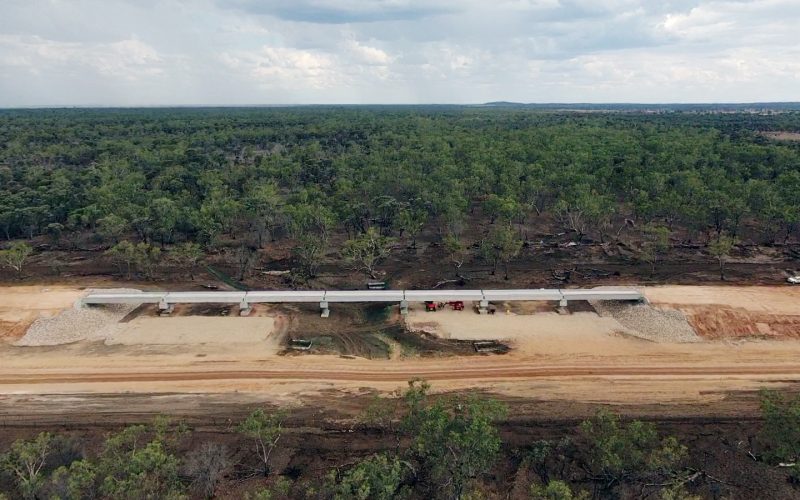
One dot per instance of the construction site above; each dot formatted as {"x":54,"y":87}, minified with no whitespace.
{"x":658,"y":344}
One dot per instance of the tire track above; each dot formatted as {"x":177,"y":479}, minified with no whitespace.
{"x":791,"y":372}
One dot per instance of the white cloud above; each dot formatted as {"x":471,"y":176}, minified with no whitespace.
{"x":129,"y":59}
{"x":248,"y":51}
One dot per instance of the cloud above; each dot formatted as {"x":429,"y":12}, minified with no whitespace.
{"x":388,"y":51}
{"x":341,"y":11}
{"x":129,"y":59}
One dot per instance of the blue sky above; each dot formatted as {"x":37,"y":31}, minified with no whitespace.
{"x":149,"y":52}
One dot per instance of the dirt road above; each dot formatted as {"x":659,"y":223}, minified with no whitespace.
{"x":579,"y":357}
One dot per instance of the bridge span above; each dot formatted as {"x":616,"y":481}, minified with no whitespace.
{"x":167,"y":300}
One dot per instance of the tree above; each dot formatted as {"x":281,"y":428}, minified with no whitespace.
{"x":721,"y":248}
{"x":124,"y":255}
{"x":655,"y":243}
{"x":309,"y":251}
{"x":456,"y":440}
{"x":501,"y":246}
{"x":781,"y":430}
{"x":206,"y":466}
{"x":456,"y":251}
{"x":556,"y":490}
{"x":581,"y":208}
{"x":368,"y":250}
{"x":410,"y":222}
{"x":375,"y":478}
{"x":265,"y":430}
{"x":76,"y":481}
{"x":616,"y":452}
{"x":141,"y":256}
{"x":187,"y":256}
{"x":112,"y":227}
{"x":25,"y":461}
{"x":130,"y":466}
{"x":16,"y":255}
{"x":147,"y":258}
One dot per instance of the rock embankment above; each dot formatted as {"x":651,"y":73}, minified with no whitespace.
{"x":648,"y":322}
{"x":73,"y":325}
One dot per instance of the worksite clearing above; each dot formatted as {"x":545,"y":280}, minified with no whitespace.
{"x":688,"y":343}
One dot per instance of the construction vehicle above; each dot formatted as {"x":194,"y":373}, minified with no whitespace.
{"x":456,"y":305}
{"x":430,"y":305}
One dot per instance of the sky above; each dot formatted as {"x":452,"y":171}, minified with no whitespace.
{"x":239,"y":52}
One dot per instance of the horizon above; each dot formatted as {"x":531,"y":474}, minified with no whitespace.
{"x":499,"y":103}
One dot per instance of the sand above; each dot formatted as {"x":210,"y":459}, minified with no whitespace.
{"x":189,"y":330}
{"x":769,"y":299}
{"x":526,"y":332}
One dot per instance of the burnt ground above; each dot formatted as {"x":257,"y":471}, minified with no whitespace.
{"x":326,"y":433}
{"x":370,"y":331}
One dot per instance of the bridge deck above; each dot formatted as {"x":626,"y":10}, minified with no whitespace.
{"x":254,"y":297}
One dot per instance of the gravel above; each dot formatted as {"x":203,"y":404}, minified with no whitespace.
{"x":73,"y":325}
{"x":648,"y":322}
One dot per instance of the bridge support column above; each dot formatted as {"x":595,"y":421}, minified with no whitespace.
{"x":325,"y":311}
{"x":562,"y":307}
{"x":165,"y":308}
{"x":403,"y":307}
{"x":483,"y":307}
{"x":244,"y":308}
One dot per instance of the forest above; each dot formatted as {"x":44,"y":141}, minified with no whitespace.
{"x":153,"y":188}
{"x":412,"y":445}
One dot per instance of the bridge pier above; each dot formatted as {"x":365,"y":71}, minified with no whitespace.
{"x":244,"y":308}
{"x":562,"y":306}
{"x":325,"y":310}
{"x":483,"y":307}
{"x":404,"y":307}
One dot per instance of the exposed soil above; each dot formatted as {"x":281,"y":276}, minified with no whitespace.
{"x":782,"y":136}
{"x":735,"y":312}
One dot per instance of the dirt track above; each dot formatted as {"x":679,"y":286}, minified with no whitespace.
{"x":566,"y":358}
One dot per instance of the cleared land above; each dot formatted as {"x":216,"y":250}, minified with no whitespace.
{"x":579,"y":357}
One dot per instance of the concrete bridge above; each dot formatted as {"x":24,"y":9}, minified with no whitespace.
{"x":167,"y":300}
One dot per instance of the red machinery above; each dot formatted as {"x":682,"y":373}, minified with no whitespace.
{"x":430,"y":305}
{"x":457,"y":305}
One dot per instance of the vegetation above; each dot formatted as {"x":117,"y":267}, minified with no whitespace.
{"x":355,"y":182}
{"x":445,"y":446}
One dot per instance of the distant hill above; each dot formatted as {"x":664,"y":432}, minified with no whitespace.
{"x":659,"y":107}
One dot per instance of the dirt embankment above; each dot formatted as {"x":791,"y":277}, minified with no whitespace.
{"x":734,"y":312}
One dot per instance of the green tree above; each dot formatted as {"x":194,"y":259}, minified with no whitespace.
{"x":16,"y":255}
{"x":781,"y":430}
{"x":631,"y":451}
{"x":25,"y":461}
{"x":124,"y":255}
{"x":131,"y":467}
{"x":75,"y":482}
{"x":410,"y":223}
{"x":556,"y":490}
{"x":655,"y":243}
{"x":265,"y":430}
{"x":309,"y":252}
{"x":456,"y":441}
{"x":367,"y":250}
{"x":187,"y":256}
{"x":112,"y":227}
{"x":721,"y":248}
{"x":456,"y":251}
{"x":375,"y":478}
{"x":501,"y":246}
